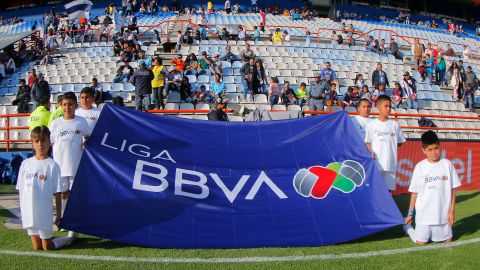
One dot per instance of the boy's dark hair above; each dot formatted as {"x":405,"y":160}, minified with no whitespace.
{"x":44,"y":102}
{"x":59,"y":99}
{"x":71,"y":96}
{"x":364,"y":100}
{"x":88,"y":91}
{"x":94,"y":80}
{"x":383,"y":98}
{"x":40,"y":132}
{"x":429,"y":138}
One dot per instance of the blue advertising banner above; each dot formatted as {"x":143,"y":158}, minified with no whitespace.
{"x":163,"y":181}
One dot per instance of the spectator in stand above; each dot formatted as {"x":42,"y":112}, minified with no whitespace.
{"x":216,"y":66}
{"x":409,"y":87}
{"x":471,"y":78}
{"x":379,"y":77}
{"x":259,"y":78}
{"x":179,"y":63}
{"x":10,"y":65}
{"x":440,"y":70}
{"x":247,"y":54}
{"x":204,"y":64}
{"x":430,"y":68}
{"x":359,"y":81}
{"x":466,"y":52}
{"x":468,"y":97}
{"x":308,"y":39}
{"x":417,"y":51}
{"x":174,"y":80}
{"x":229,"y":56}
{"x":224,"y":35}
{"x":394,"y":49}
{"x":256,"y":34}
{"x":158,"y":82}
{"x":99,"y":95}
{"x":203,"y":95}
{"x":286,"y":36}
{"x":236,"y":8}
{"x":22,"y":98}
{"x":32,"y":78}
{"x":248,"y":72}
{"x":179,"y":43}
{"x":241,"y":33}
{"x":372,"y":45}
{"x":263,"y":15}
{"x":274,"y":91}
{"x":328,"y":74}
{"x":210,"y":5}
{"x":429,"y":50}
{"x":332,"y":95}
{"x":217,"y":87}
{"x":316,"y":95}
{"x":142,"y":80}
{"x":288,"y":96}
{"x":40,"y":90}
{"x":301,"y":94}
{"x":146,"y":59}
{"x":277,"y":36}
{"x":396,"y":96}
{"x":185,"y":90}
{"x":350,"y":41}
{"x":463,"y":77}
{"x":124,"y":73}
{"x":227,"y":7}
{"x":191,"y":63}
{"x":365,"y":93}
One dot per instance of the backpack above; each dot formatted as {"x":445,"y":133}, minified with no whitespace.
{"x":425,"y":122}
{"x":217,"y":115}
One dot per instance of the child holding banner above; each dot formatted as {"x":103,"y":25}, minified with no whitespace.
{"x":67,"y":135}
{"x":382,"y":138}
{"x":433,"y":185}
{"x":38,"y":182}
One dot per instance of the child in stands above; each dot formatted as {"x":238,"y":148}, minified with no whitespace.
{"x":382,"y":138}
{"x":38,"y":181}
{"x":332,"y":95}
{"x":433,"y":185}
{"x":68,"y":134}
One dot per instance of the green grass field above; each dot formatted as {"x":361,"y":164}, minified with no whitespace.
{"x":461,"y":257}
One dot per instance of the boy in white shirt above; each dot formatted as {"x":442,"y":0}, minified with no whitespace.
{"x":86,"y":110}
{"x":67,"y":135}
{"x":362,"y":120}
{"x":382,"y":138}
{"x":433,"y":185}
{"x":38,"y":182}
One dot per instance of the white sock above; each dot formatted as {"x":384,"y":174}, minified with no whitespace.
{"x":410,"y":231}
{"x":72,"y":234}
{"x":64,"y":204}
{"x":60,"y":242}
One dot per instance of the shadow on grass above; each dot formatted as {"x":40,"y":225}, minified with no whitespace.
{"x":4,"y":214}
{"x":91,"y":243}
{"x":7,"y":189}
{"x":466,"y":226}
{"x":466,"y":197}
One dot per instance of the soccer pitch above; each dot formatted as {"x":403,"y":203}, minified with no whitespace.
{"x":390,"y":249}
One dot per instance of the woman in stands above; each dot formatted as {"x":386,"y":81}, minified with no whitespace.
{"x":277,"y":36}
{"x":259,"y":78}
{"x":456,"y":80}
{"x":191,"y":65}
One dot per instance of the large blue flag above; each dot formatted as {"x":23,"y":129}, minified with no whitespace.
{"x":162,"y":181}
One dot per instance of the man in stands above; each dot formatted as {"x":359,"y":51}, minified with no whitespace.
{"x":471,"y":79}
{"x":229,"y":56}
{"x":124,"y":72}
{"x":394,"y":49}
{"x":462,"y":78}
{"x":32,"y":78}
{"x":449,"y":52}
{"x":179,"y":63}
{"x":218,"y":88}
{"x":328,"y":74}
{"x":216,"y":66}
{"x":142,"y":80}
{"x":317,"y":94}
{"x":417,"y":51}
{"x":40,"y":90}
{"x":247,"y":54}
{"x":204,"y":64}
{"x":379,"y":77}
{"x":371,"y":44}
{"x":147,"y":59}
{"x":22,"y":98}
{"x":174,"y":80}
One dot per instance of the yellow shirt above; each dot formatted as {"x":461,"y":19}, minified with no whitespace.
{"x":209,"y":5}
{"x":39,"y":117}
{"x":159,"y":78}
{"x":277,"y":37}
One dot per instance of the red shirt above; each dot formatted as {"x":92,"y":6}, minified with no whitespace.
{"x":31,"y":80}
{"x":179,"y":64}
{"x":263,"y":15}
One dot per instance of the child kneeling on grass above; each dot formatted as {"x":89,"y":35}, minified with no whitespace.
{"x":433,"y":185}
{"x":38,"y":182}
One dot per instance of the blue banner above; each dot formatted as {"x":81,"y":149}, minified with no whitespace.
{"x":163,"y":181}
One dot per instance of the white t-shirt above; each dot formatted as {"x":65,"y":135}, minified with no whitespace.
{"x":90,"y":115}
{"x":38,"y":181}
{"x":466,"y":53}
{"x":67,"y":138}
{"x":361,"y":124}
{"x":384,"y":138}
{"x":433,"y":182}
